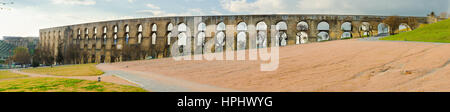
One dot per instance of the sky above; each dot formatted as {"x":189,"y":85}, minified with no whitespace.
{"x":26,"y":17}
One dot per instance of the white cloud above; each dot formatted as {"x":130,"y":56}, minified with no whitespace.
{"x":375,"y":7}
{"x":74,"y":2}
{"x":153,"y":6}
{"x":259,"y":6}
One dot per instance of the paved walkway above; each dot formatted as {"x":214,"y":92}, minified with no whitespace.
{"x":159,"y":83}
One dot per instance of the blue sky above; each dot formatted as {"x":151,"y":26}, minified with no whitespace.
{"x":26,"y":17}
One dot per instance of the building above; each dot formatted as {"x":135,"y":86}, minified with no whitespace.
{"x":29,"y":42}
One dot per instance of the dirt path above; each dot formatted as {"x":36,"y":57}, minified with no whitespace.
{"x":342,"y":65}
{"x":104,"y":78}
{"x":157,"y":82}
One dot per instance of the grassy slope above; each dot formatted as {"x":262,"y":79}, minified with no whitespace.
{"x":69,"y":70}
{"x":8,"y":75}
{"x":62,"y":85}
{"x":437,"y":32}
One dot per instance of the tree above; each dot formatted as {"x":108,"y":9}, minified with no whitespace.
{"x":393,"y":22}
{"x":21,"y":55}
{"x":71,"y":54}
{"x":131,"y":52}
{"x":412,"y":22}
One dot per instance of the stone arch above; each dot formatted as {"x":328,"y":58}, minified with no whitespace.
{"x":127,"y":35}
{"x":105,"y":39}
{"x":95,"y":33}
{"x":221,"y":26}
{"x":323,"y":28}
{"x":383,"y":29}
{"x":261,"y":39}
{"x":302,"y":26}
{"x":169,"y":35}
{"x":154,"y":27}
{"x":115,"y":39}
{"x":139,"y":34}
{"x":140,"y":28}
{"x":201,"y":34}
{"x":169,"y":27}
{"x":115,"y":28}
{"x":365,"y":29}
{"x":127,"y":28}
{"x":153,"y":32}
{"x":182,"y":39}
{"x":346,"y":27}
{"x":86,"y":31}
{"x":323,"y":36}
{"x":302,"y":36}
{"x":154,"y":38}
{"x":220,"y":36}
{"x":281,"y":36}
{"x":95,"y":30}
{"x":403,"y":27}
{"x":105,"y":29}
{"x":241,"y":36}
{"x":182,"y":36}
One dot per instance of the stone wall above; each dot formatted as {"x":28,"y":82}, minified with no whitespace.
{"x":101,"y":52}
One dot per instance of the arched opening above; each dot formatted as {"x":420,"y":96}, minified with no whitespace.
{"x":220,"y":37}
{"x":139,"y":34}
{"x":261,"y":39}
{"x":95,"y":33}
{"x":365,"y":29}
{"x":403,"y":27}
{"x":116,"y":29}
{"x":302,"y":36}
{"x":242,"y":36}
{"x":281,"y":36}
{"x":201,"y":34}
{"x":323,"y":28}
{"x":78,"y":39}
{"x":169,"y":33}
{"x":154,"y":29}
{"x":182,"y":41}
{"x":127,"y":36}
{"x":86,"y":36}
{"x":153,"y":38}
{"x":383,"y":29}
{"x":115,"y":39}
{"x":302,"y":26}
{"x":139,"y":38}
{"x":346,"y":27}
{"x":105,"y":29}
{"x":182,"y":37}
{"x":104,"y":39}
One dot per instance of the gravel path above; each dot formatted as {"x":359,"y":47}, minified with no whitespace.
{"x":341,"y":65}
{"x":159,"y":83}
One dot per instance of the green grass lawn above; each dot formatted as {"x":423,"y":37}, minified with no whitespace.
{"x":437,"y":32}
{"x":69,"y":70}
{"x":9,"y":75}
{"x":62,"y":85}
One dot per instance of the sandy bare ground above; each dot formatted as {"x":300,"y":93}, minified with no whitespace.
{"x":344,"y":65}
{"x":104,"y":78}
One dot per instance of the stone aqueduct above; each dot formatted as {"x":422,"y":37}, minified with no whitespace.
{"x":155,"y":35}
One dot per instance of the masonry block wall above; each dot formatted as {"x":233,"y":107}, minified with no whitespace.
{"x":103,"y":41}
